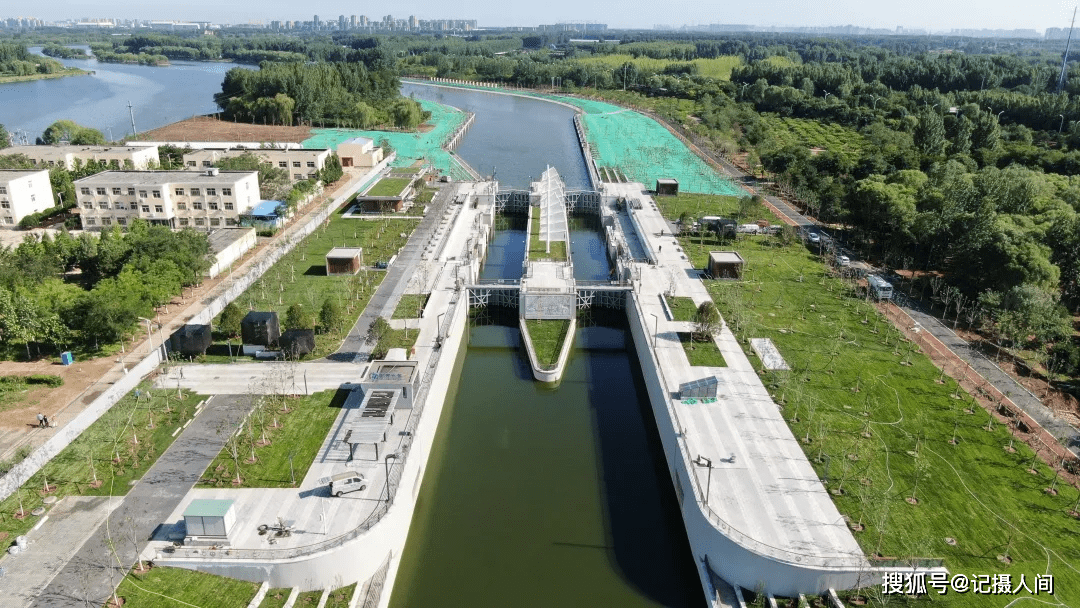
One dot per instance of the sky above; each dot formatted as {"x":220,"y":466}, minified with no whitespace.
{"x":933,"y":15}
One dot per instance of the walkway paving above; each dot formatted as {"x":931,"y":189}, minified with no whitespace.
{"x":266,"y":378}
{"x":91,"y":574}
{"x":51,"y":545}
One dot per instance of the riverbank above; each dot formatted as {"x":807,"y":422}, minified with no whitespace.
{"x":54,"y":75}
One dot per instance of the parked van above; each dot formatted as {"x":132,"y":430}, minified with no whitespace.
{"x":350,"y":481}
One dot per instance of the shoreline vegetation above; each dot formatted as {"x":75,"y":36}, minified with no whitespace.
{"x":32,"y":77}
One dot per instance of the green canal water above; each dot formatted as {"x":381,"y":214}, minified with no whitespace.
{"x":540,"y":496}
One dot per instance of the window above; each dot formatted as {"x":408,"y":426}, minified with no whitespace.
{"x":9,"y":220}
{"x":142,"y":193}
{"x":179,"y":192}
{"x":122,"y":221}
{"x":146,"y":208}
{"x":89,"y":221}
{"x":159,"y":209}
{"x":231,"y":221}
{"x":194,"y":192}
{"x":296,"y":163}
{"x":192,"y":163}
{"x":33,"y":197}
{"x":197,"y":205}
{"x":131,"y":192}
{"x":211,"y":192}
{"x":88,"y":205}
{"x":215,"y":221}
{"x":106,"y":221}
{"x":103,"y":205}
{"x":117,"y":191}
{"x":297,"y":176}
{"x":101,"y":191}
{"x":226,"y":191}
{"x":200,"y":221}
{"x":311,"y":163}
{"x":183,"y":221}
{"x":283,"y":164}
{"x":5,"y":205}
{"x":157,"y":193}
{"x":213,"y":206}
{"x":206,"y":163}
{"x":181,"y":206}
{"x":3,"y":189}
{"x":84,"y":190}
{"x":120,"y":206}
{"x":312,"y":175}
{"x":228,"y":206}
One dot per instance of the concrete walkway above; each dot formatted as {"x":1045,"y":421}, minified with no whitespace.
{"x":91,"y":573}
{"x":267,"y":378}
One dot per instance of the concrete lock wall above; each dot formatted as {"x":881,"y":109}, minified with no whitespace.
{"x":735,"y":563}
{"x":549,"y":305}
{"x":359,"y":559}
{"x":26,"y":469}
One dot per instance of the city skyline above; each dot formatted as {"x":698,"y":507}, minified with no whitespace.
{"x":912,"y":15}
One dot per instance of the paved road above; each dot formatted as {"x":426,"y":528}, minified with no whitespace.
{"x":356,"y":347}
{"x":267,"y":378}
{"x":92,"y":573}
{"x":1062,"y":430}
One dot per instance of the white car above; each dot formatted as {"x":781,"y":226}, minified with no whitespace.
{"x":813,"y":237}
{"x":843,"y":260}
{"x":349,"y":481}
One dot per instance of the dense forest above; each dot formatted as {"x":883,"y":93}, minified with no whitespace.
{"x":15,"y":60}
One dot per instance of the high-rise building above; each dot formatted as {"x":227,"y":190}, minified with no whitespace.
{"x":413,"y":23}
{"x":352,"y":22}
{"x":316,"y":22}
{"x":341,"y":22}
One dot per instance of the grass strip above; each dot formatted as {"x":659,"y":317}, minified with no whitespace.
{"x":547,"y":337}
{"x":703,"y":353}
{"x":411,"y":306}
{"x":390,"y":186}
{"x":339,"y":598}
{"x":682,"y":309}
{"x":163,"y":587}
{"x":277,"y":427}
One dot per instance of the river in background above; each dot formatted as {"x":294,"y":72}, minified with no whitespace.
{"x":158,"y":95}
{"x":516,"y":137}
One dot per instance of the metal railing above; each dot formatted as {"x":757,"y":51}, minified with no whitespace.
{"x":374,"y":588}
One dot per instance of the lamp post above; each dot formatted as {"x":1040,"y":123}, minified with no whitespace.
{"x":875,"y":98}
{"x":1062,"y":123}
{"x":827,"y":96}
{"x":438,"y":325}
{"x":656,"y":328}
{"x":386,"y":461}
{"x":149,"y":335}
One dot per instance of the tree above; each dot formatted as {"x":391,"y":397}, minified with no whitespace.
{"x":1027,"y":312}
{"x":330,"y":315}
{"x":229,"y":322}
{"x":72,"y":132}
{"x":930,"y":133}
{"x":297,"y":318}
{"x":706,"y":321}
{"x":5,"y":137}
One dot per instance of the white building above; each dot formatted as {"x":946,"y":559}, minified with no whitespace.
{"x":359,"y":152}
{"x":178,"y":199}
{"x":23,"y":193}
{"x":121,"y":157}
{"x":301,"y":163}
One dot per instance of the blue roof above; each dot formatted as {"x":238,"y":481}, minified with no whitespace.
{"x":265,"y":208}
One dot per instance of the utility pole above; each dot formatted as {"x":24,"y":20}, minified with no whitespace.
{"x":131,"y":112}
{"x":1065,"y":57}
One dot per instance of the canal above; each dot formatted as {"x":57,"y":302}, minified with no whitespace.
{"x":542,"y":496}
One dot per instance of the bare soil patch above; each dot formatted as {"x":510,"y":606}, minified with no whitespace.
{"x":208,"y":128}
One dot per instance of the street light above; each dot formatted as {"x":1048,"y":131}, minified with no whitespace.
{"x":827,"y":96}
{"x":386,"y":461}
{"x":1062,"y":123}
{"x":656,"y":330}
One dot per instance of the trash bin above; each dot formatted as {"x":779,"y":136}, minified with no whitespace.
{"x":67,"y":358}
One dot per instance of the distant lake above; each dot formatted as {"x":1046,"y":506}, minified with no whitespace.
{"x":158,"y":95}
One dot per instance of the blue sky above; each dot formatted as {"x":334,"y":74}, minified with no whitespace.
{"x":930,"y":14}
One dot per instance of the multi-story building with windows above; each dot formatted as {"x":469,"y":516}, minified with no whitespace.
{"x":120,"y":157}
{"x":179,"y":199}
{"x":301,"y":163}
{"x":23,"y":193}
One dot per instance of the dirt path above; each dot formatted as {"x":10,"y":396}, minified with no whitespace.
{"x":85,"y":380}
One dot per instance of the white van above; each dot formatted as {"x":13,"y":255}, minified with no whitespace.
{"x":349,"y":481}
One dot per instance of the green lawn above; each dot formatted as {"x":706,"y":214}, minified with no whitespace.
{"x":852,"y":375}
{"x":389,"y":186}
{"x":815,"y":134}
{"x":425,"y":196}
{"x":701,"y":205}
{"x":701,"y":352}
{"x":163,"y":587}
{"x":547,"y":338}
{"x":339,"y":598}
{"x":276,"y":598}
{"x":300,"y":276}
{"x":538,"y":249}
{"x":308,"y":598}
{"x":110,"y":443}
{"x":682,"y":309}
{"x":300,"y":431}
{"x":411,"y":305}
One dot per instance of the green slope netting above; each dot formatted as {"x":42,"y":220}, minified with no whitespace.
{"x":409,"y":146}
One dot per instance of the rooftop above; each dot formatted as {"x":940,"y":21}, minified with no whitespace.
{"x":223,"y":237}
{"x":358,"y":140}
{"x":726,"y":257}
{"x":153,"y":178}
{"x":345,"y":252}
{"x":10,"y":174}
{"x":259,"y":150}
{"x":71,"y":149}
{"x":207,"y":507}
{"x":265,"y":208}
